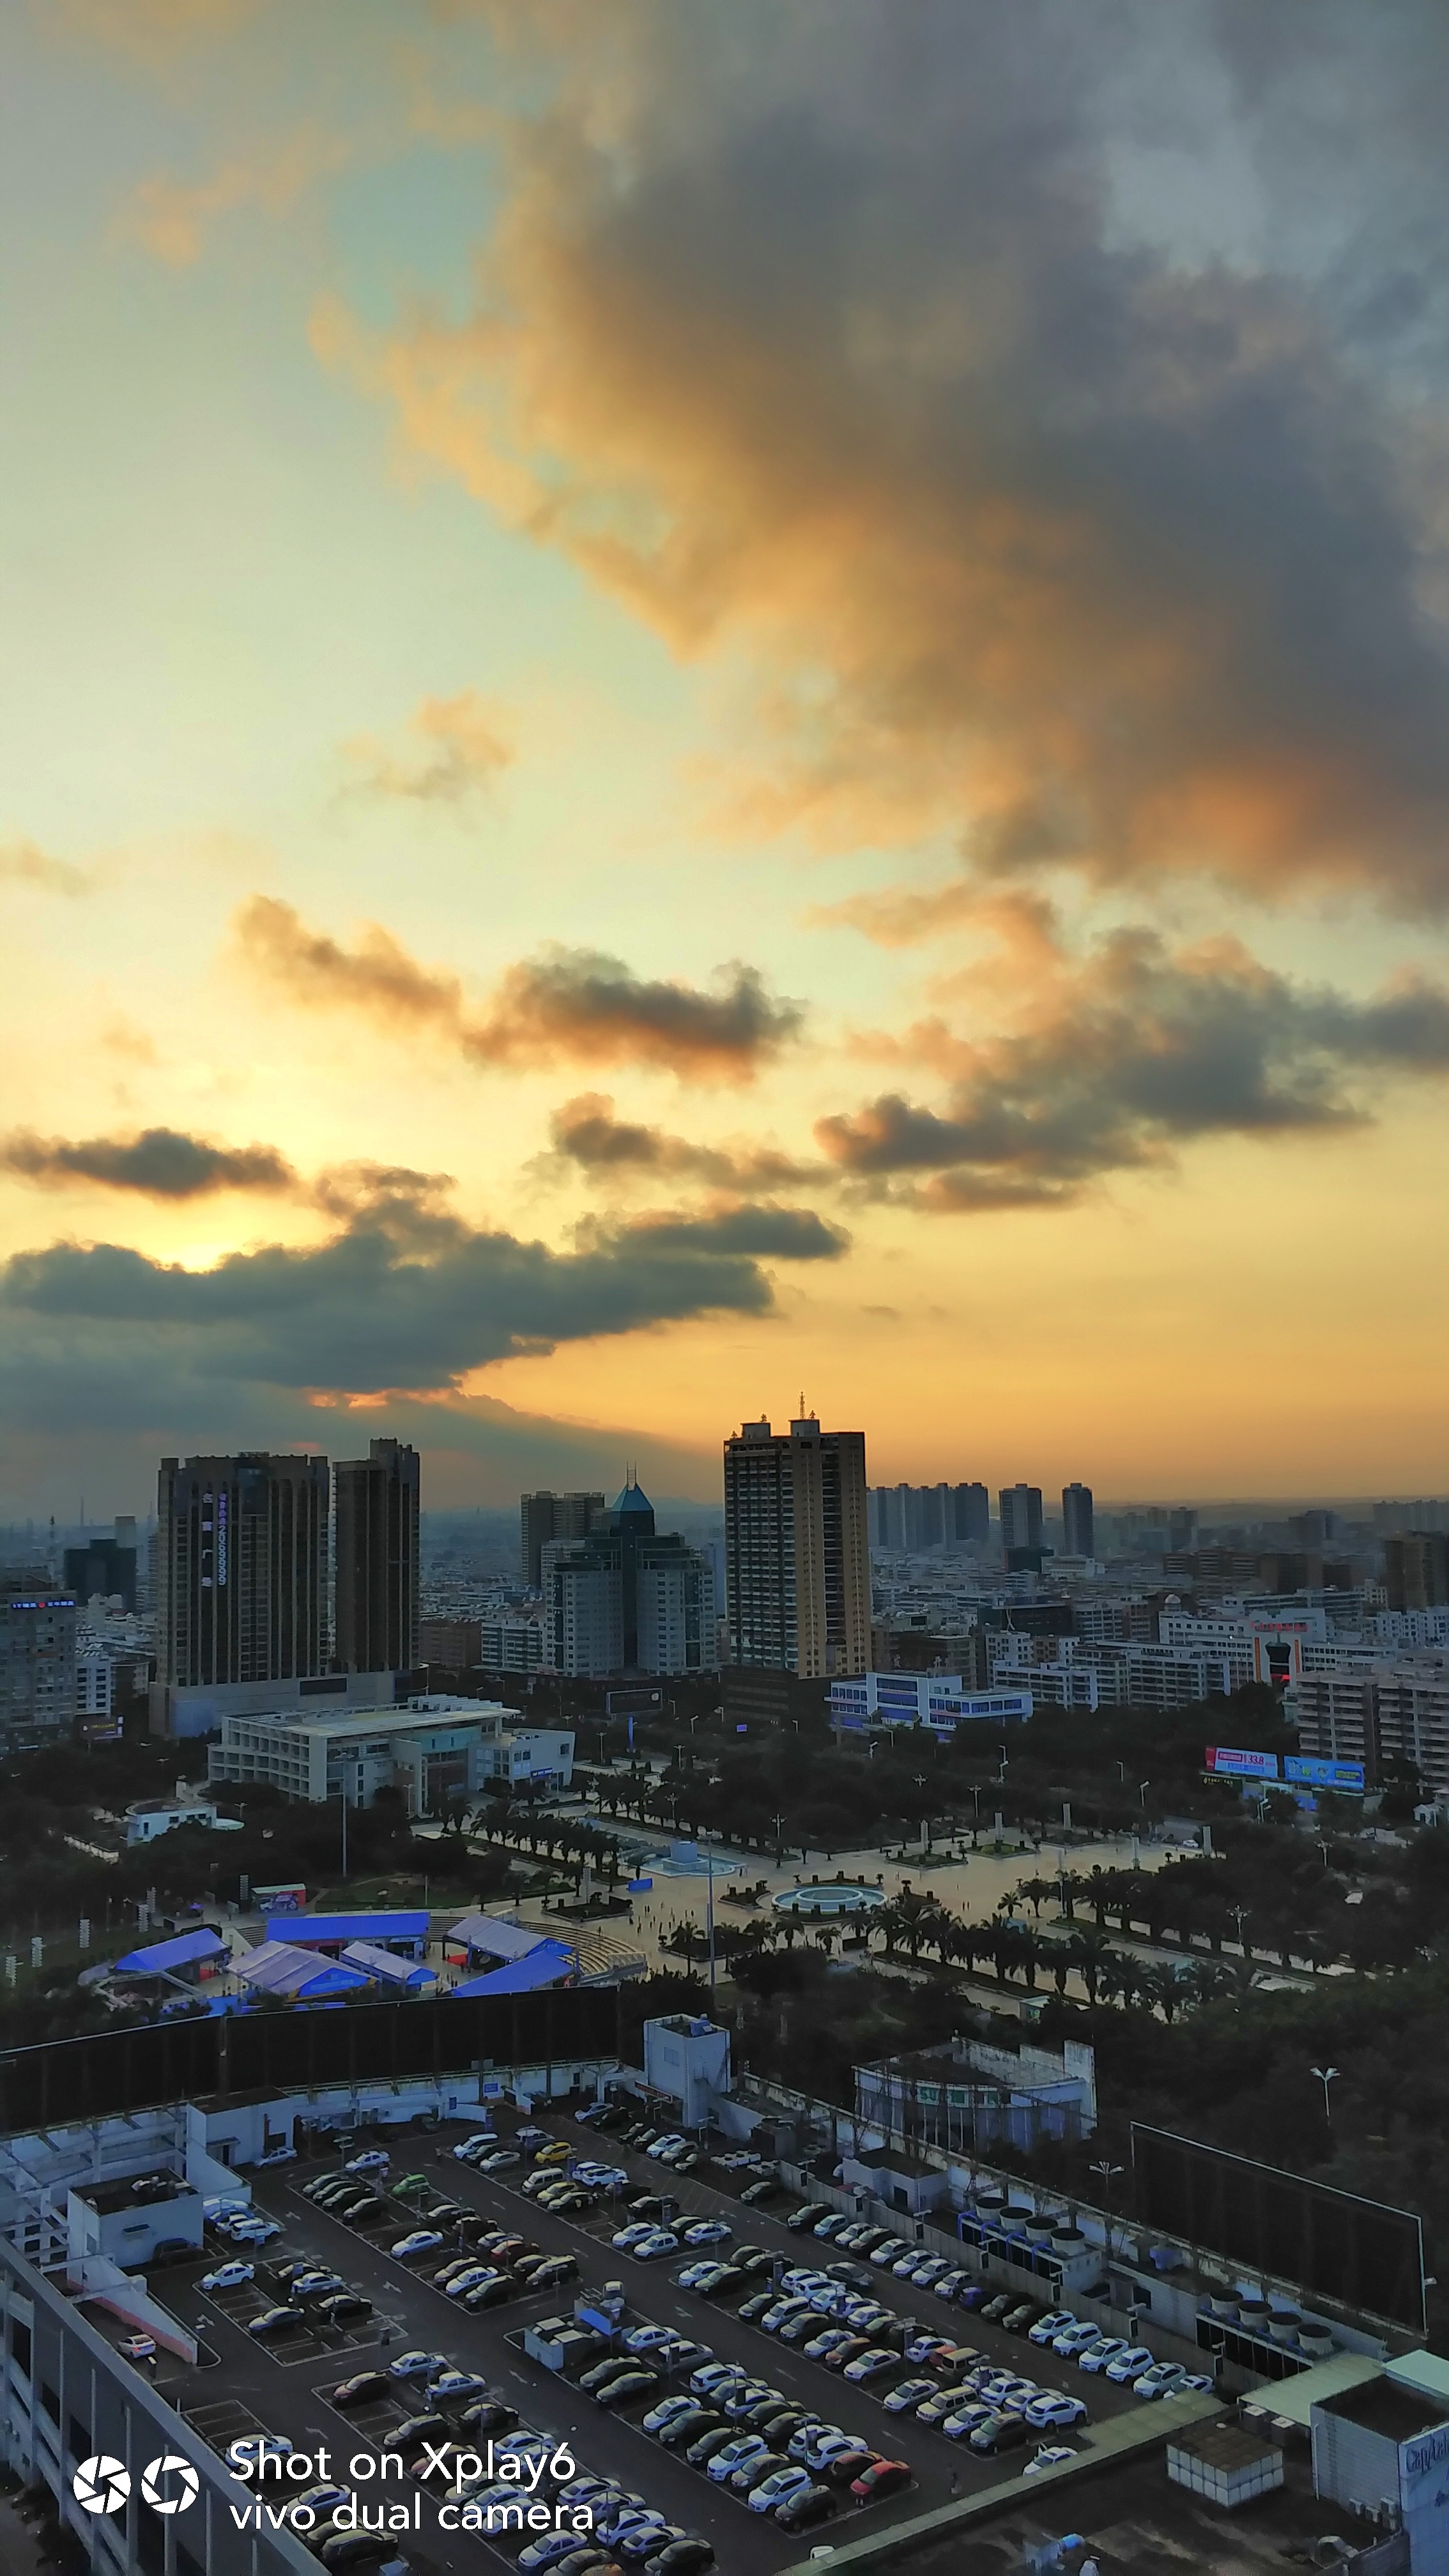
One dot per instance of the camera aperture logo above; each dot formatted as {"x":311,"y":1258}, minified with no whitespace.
{"x":481,"y":2489}
{"x":169,"y":2484}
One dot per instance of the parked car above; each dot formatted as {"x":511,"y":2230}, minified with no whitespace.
{"x":687,"y":2557}
{"x":1161,"y":2379}
{"x":276,"y":2321}
{"x":908,"y":2396}
{"x":411,"y":2249}
{"x":806,"y":2215}
{"x":777,"y":2489}
{"x":360,"y":2388}
{"x":876,"y":2362}
{"x":1056,"y":2321}
{"x":1050,"y":2456}
{"x":882,"y":2478}
{"x":1000,"y":2433}
{"x":769,"y":2187}
{"x":1053,"y":2413}
{"x":628,"y":2385}
{"x":1129,"y":2365}
{"x":416,"y":2364}
{"x":1096,"y":2355}
{"x":373,"y":2160}
{"x":229,"y":2276}
{"x":809,"y":2506}
{"x":958,"y":2427}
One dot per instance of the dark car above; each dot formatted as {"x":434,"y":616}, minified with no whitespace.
{"x":994,"y":2309}
{"x":1000,"y":2433}
{"x":360,"y":2388}
{"x":691,"y":2427}
{"x":276,"y":2321}
{"x":687,"y":2557}
{"x":358,"y":2549}
{"x":755,"y":2306}
{"x":629,"y":2384}
{"x":554,"y":2269}
{"x":344,"y":2307}
{"x":492,"y":2292}
{"x":850,"y":2465}
{"x":779,"y":2428}
{"x":753,"y":2473}
{"x":731,"y":2278}
{"x":752,"y":2259}
{"x":846,"y":2352}
{"x":807,"y":2214}
{"x":426,"y":2427}
{"x":769,"y":2187}
{"x":488,"y":2415}
{"x":803,"y":2511}
{"x":1021,"y":2318}
{"x":973,"y":2297}
{"x":602,"y":2371}
{"x":702,"y":2451}
{"x":883,"y":2478}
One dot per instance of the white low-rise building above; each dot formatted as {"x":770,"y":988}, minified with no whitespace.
{"x":434,"y":1749}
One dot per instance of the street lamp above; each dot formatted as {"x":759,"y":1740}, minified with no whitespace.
{"x":1325,"y":2075}
{"x":1142,"y":1788}
{"x":1109,"y":2175}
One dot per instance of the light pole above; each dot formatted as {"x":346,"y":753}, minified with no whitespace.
{"x":1325,"y":2075}
{"x":1142,"y":1788}
{"x":1109,"y":2175}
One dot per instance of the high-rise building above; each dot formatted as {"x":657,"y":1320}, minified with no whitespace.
{"x":796,"y":1549}
{"x":970,"y":1515}
{"x":1020,"y":1508}
{"x":1181,"y":1529}
{"x":1077,"y":1520}
{"x":544,"y":1516}
{"x":1416,"y":1570}
{"x":105,"y":1565}
{"x":915,"y":1517}
{"x":37,"y":1659}
{"x":376,"y":1600}
{"x":627,"y":1598}
{"x":241,"y":1567}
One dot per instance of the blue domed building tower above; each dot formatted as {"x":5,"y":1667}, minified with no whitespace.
{"x":628,"y":1598}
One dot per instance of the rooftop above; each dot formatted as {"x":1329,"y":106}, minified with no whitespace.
{"x":1382,"y":2406}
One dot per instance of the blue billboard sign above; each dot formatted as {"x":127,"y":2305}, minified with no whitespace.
{"x":1312,"y":1773}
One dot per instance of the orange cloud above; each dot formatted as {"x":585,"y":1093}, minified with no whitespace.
{"x":1113,"y":562}
{"x":172,"y":219}
{"x":564,"y":1006}
{"x":457,"y":746}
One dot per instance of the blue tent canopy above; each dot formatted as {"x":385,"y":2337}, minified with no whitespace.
{"x":308,"y":1931}
{"x":491,"y":1938}
{"x":275,"y":1968}
{"x":548,"y":1964}
{"x":182,"y":1952}
{"x":385,"y":1967}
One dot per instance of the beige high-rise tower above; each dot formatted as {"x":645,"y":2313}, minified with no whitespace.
{"x":796,"y":1549}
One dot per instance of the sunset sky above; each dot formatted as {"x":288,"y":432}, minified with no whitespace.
{"x":704,"y":702}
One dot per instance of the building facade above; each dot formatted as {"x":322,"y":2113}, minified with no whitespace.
{"x":942,"y":1701}
{"x":433,"y":1750}
{"x":1077,"y":1520}
{"x":1021,"y":1516}
{"x":627,"y":1598}
{"x":38,"y":1688}
{"x":797,"y":1556}
{"x":544,"y":1516}
{"x":376,"y":1562}
{"x":241,"y":1569}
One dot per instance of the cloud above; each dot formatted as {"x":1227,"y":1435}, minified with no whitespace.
{"x":172,"y":218}
{"x":1122,"y":1057}
{"x":564,"y":1006}
{"x":587,"y":1134}
{"x":459,"y":746}
{"x":21,"y":863}
{"x":154,"y":30}
{"x":159,"y":1163}
{"x":875,"y":355}
{"x":395,"y":1301}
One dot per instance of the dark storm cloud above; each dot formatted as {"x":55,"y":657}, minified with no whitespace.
{"x":404,"y":1302}
{"x":159,"y":1163}
{"x":587,"y":1133}
{"x":564,"y":1006}
{"x":1127,"y":1055}
{"x":833,"y":346}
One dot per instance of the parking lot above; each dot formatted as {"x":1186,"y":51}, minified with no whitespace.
{"x":284,"y":2385}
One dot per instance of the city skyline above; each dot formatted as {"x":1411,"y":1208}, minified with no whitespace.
{"x":546,"y":913}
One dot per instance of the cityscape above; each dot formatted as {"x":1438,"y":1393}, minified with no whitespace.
{"x":724,"y":1425}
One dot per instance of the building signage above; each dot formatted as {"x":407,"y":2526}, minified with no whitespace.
{"x":1312,"y":1773}
{"x":1239,"y":1765}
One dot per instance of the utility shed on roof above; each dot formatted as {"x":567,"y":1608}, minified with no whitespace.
{"x":548,"y":1963}
{"x":167,"y":1958}
{"x":299,"y":1975}
{"x":385,"y":1968}
{"x":1224,"y":2463}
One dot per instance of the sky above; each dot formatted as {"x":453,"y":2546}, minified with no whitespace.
{"x":704,"y":707}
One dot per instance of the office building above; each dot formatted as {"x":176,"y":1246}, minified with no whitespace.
{"x":544,"y":1516}
{"x":434,"y":1749}
{"x":104,"y":1566}
{"x":1020,"y":1508}
{"x":627,"y":1598}
{"x":513,"y":1645}
{"x":1416,"y":1570}
{"x":941,"y":1701}
{"x":376,"y":1524}
{"x":1077,"y":1529}
{"x":37,"y":1660}
{"x":241,"y":1569}
{"x":796,"y":1551}
{"x":456,"y":1644}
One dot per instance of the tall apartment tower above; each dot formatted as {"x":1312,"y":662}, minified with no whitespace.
{"x":1020,"y":1507}
{"x":241,"y":1569}
{"x":38,"y":1700}
{"x":545,"y":1516}
{"x":377,"y":1560}
{"x":1077,"y":1520}
{"x":797,"y":1556}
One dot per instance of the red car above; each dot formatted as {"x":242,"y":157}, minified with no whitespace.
{"x":884,"y":2478}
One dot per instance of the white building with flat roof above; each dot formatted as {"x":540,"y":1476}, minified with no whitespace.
{"x":942,"y":1701}
{"x":433,"y":1749}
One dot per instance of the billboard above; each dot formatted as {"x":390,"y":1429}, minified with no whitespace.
{"x":1231,"y":1761}
{"x":1311,"y":1773}
{"x":1329,"y":2244}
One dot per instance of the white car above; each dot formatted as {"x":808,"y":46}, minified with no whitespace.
{"x":670,"y":2143}
{"x":599,"y":2177}
{"x":778,"y":2488}
{"x":949,"y":2283}
{"x":1050,"y":2456}
{"x":253,"y":2231}
{"x":626,"y":2238}
{"x":1164,"y":2379}
{"x":415,"y":2364}
{"x":1047,"y":2328}
{"x":734,"y":2455}
{"x":423,"y":2240}
{"x":219,"y":2213}
{"x":373,"y":2160}
{"x":251,"y":2447}
{"x":481,"y":2143}
{"x":667,"y":2412}
{"x":229,"y":2276}
{"x":497,"y":2160}
{"x":1106,"y":2349}
{"x":1076,"y":2339}
{"x":707,"y":2231}
{"x":815,"y":2445}
{"x":960,"y":2426}
{"x":1130,"y":2365}
{"x":654,"y":2245}
{"x":282,"y":2155}
{"x":1051,"y":2413}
